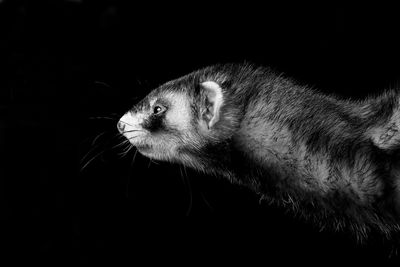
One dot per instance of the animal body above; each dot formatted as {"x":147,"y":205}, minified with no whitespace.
{"x":333,"y":161}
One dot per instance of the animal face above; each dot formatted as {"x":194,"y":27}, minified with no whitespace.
{"x":174,"y":125}
{"x":159,"y":125}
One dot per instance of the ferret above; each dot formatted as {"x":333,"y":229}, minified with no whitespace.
{"x":335,"y":162}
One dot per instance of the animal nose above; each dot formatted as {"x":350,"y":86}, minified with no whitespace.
{"x":121,"y":126}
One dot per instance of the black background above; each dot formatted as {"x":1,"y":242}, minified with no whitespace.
{"x":63,"y":63}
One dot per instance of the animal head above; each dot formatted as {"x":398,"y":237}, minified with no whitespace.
{"x":189,"y":120}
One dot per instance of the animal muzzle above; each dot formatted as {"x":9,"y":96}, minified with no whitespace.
{"x":121,"y":126}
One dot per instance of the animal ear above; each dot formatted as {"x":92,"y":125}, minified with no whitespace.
{"x":212,"y":100}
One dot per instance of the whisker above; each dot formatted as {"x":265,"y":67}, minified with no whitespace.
{"x":180,"y":170}
{"x":94,"y":147}
{"x":206,"y":201}
{"x":104,"y":144}
{"x":132,"y":131}
{"x":97,"y":137}
{"x":99,"y":118}
{"x":118,"y":135}
{"x":129,"y":177}
{"x":155,"y":162}
{"x":102,"y":83}
{"x":190,"y":192}
{"x":128,"y":147}
{"x":121,"y":144}
{"x":88,"y":138}
{"x":127,"y":123}
{"x":126,"y":151}
{"x":88,"y":153}
{"x":134,"y":157}
{"x":186,"y":183}
{"x":121,"y":155}
{"x":88,"y":162}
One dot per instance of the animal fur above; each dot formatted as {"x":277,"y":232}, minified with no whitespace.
{"x":333,"y":161}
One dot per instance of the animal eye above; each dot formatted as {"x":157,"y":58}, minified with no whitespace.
{"x":158,"y":109}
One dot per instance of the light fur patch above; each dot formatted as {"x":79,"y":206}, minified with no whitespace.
{"x":360,"y":178}
{"x":133,"y":130}
{"x":267,"y":143}
{"x":178,"y":115}
{"x":388,"y":135}
{"x":133,"y":120}
{"x":215,"y":96}
{"x":276,"y":138}
{"x":316,"y":166}
{"x":152,"y":101}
